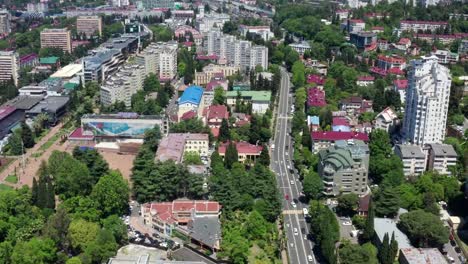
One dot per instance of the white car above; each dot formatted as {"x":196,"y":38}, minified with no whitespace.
{"x":272,"y":146}
{"x":292,"y":182}
{"x":293,"y":204}
{"x":309,"y":258}
{"x":305,"y":211}
{"x":347,"y":223}
{"x":289,"y":167}
{"x":295,"y":231}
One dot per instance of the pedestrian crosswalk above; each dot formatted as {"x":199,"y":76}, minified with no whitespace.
{"x":292,"y":212}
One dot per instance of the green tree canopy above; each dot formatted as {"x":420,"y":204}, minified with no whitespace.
{"x":111,"y":194}
{"x":424,"y":229}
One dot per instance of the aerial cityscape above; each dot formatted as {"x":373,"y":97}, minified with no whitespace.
{"x":241,"y":131}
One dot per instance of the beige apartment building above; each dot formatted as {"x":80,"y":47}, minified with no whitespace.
{"x":89,"y":25}
{"x":56,"y":38}
{"x":209,"y":71}
{"x":9,"y":66}
{"x":5,"y":25}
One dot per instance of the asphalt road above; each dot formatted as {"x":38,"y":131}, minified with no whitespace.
{"x":298,"y":246}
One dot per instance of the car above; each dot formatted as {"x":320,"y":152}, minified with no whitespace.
{"x":293,"y":204}
{"x":292,"y":182}
{"x":451,"y":259}
{"x":295,"y":231}
{"x":289,"y":167}
{"x":305,"y":211}
{"x":457,"y":249}
{"x":291,"y":244}
{"x":305,"y":237}
{"x":346,"y":223}
{"x":272,"y":146}
{"x":309,"y":258}
{"x":453,"y":243}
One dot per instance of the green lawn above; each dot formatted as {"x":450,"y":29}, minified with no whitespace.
{"x":50,"y":142}
{"x":4,"y":187}
{"x":11,"y":179}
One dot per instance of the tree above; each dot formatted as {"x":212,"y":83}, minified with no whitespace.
{"x":393,"y":249}
{"x":384,"y":250}
{"x":256,"y":227}
{"x":423,"y":229}
{"x":231,"y":155}
{"x":27,"y":135}
{"x":102,"y":248}
{"x":117,"y":227}
{"x":81,"y":233}
{"x":298,"y":71}
{"x":151,"y":83}
{"x":356,"y":254}
{"x":152,"y":137}
{"x":264,"y":157}
{"x":56,"y":227}
{"x":34,"y":251}
{"x":224,"y":134}
{"x":219,"y":96}
{"x":313,"y":185}
{"x":368,"y":232}
{"x":15,"y":143}
{"x":74,"y":260}
{"x":192,"y":158}
{"x":347,"y":204}
{"x":111,"y":193}
{"x":387,"y":202}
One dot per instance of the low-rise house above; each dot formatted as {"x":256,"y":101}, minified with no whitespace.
{"x":365,"y":80}
{"x":316,"y":65}
{"x":355,"y":25}
{"x":344,"y":168}
{"x":403,"y":44}
{"x":190,"y":100}
{"x":363,"y":205}
{"x":382,"y":44}
{"x":356,"y":105}
{"x":446,"y":57}
{"x":388,"y":226}
{"x":341,"y":124}
{"x":413,"y":158}
{"x":199,"y":219}
{"x":389,"y":62}
{"x":400,"y":86}
{"x":316,"y":97}
{"x":260,"y":100}
{"x":313,"y":122}
{"x":421,"y":256}
{"x":175,"y":145}
{"x":241,"y":119}
{"x":324,"y":139}
{"x":362,"y":39}
{"x":440,"y":157}
{"x":316,"y":79}
{"x":386,"y":120}
{"x":213,"y":117}
{"x":300,"y":47}
{"x":246,"y":152}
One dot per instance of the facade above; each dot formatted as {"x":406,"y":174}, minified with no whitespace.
{"x":89,"y":25}
{"x":386,"y":120}
{"x":213,"y":70}
{"x":9,"y":66}
{"x":187,"y":32}
{"x":56,"y":38}
{"x":175,"y":145}
{"x":10,"y":116}
{"x":344,"y":168}
{"x":122,"y":125}
{"x":440,"y":157}
{"x":322,"y":140}
{"x":400,"y":86}
{"x":260,"y":100}
{"x":210,"y":21}
{"x":263,"y":31}
{"x":413,"y":158}
{"x":5,"y":24}
{"x":427,"y":101}
{"x":356,"y":25}
{"x":120,"y":3}
{"x":389,"y":62}
{"x":101,"y":64}
{"x":246,"y":152}
{"x":161,"y":59}
{"x":356,"y":105}
{"x":122,"y":85}
{"x":191,"y":100}
{"x":300,"y":47}
{"x":214,"y":114}
{"x":150,"y":4}
{"x":365,"y":80}
{"x":363,"y":39}
{"x":406,"y":25}
{"x":446,"y":57}
{"x":29,"y":60}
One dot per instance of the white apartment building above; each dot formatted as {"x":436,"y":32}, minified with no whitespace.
{"x":209,"y":71}
{"x":56,"y":38}
{"x":407,"y":25}
{"x":122,"y":85}
{"x":300,"y":47}
{"x":440,"y":157}
{"x":161,"y":59}
{"x":89,"y":25}
{"x":211,"y":21}
{"x":263,"y":31}
{"x":427,"y":102}
{"x":5,"y":24}
{"x":413,"y":158}
{"x":120,"y":3}
{"x":446,"y":57}
{"x":9,"y":66}
{"x":386,"y":120}
{"x":259,"y":56}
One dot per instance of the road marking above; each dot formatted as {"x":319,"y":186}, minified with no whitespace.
{"x":291,"y":212}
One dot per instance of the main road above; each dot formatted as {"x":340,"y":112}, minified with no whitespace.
{"x":299,"y":247}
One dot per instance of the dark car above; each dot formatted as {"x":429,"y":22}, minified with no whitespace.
{"x":453,"y":243}
{"x":457,"y":249}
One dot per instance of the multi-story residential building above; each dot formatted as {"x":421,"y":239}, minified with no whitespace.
{"x":365,"y":80}
{"x":5,"y":24}
{"x":56,"y":38}
{"x":355,"y":25}
{"x":300,"y":47}
{"x":89,"y":25}
{"x":260,"y":100}
{"x":246,"y":152}
{"x":440,"y":157}
{"x":120,"y":3}
{"x":263,"y":31}
{"x":198,"y":219}
{"x":187,"y":32}
{"x":175,"y":145}
{"x":400,"y":86}
{"x":9,"y":66}
{"x":426,"y":3}
{"x":259,"y":57}
{"x":210,"y":21}
{"x":29,"y":60}
{"x":413,"y":158}
{"x":446,"y":56}
{"x":406,"y":25}
{"x":150,"y":4}
{"x":363,"y":39}
{"x":122,"y":85}
{"x":389,"y":62}
{"x":161,"y":59}
{"x":37,"y":7}
{"x":324,"y":139}
{"x":444,"y":39}
{"x":386,"y":120}
{"x":102,"y":64}
{"x":344,"y":168}
{"x":190,"y":100}
{"x":427,"y":102}
{"x":356,"y":105}
{"x":212,"y":70}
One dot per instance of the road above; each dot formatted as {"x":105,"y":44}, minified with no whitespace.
{"x":299,"y":247}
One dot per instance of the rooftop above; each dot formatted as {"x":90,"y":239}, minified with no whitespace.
{"x":338,"y":135}
{"x":48,"y":60}
{"x":192,"y":94}
{"x":68,"y":71}
{"x":242,"y":148}
{"x":387,"y":114}
{"x":443,"y":150}
{"x":172,"y":146}
{"x":423,"y":256}
{"x":5,"y":111}
{"x":388,"y":225}
{"x":410,"y":151}
{"x":262,"y":96}
{"x":316,"y":97}
{"x":206,"y":230}
{"x":401,"y":84}
{"x":24,"y":102}
{"x":50,"y":104}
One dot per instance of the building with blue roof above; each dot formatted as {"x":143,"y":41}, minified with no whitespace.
{"x":190,"y":100}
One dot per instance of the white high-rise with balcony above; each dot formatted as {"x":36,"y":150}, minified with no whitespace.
{"x":427,"y":101}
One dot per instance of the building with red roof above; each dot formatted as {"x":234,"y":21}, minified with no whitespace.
{"x":388,"y":62}
{"x":188,"y":115}
{"x":324,"y":139}
{"x":213,"y":115}
{"x":247,"y":152}
{"x":356,"y":105}
{"x":365,"y":80}
{"x":400,"y":85}
{"x":315,"y":78}
{"x":185,"y":216}
{"x":316,"y":97}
